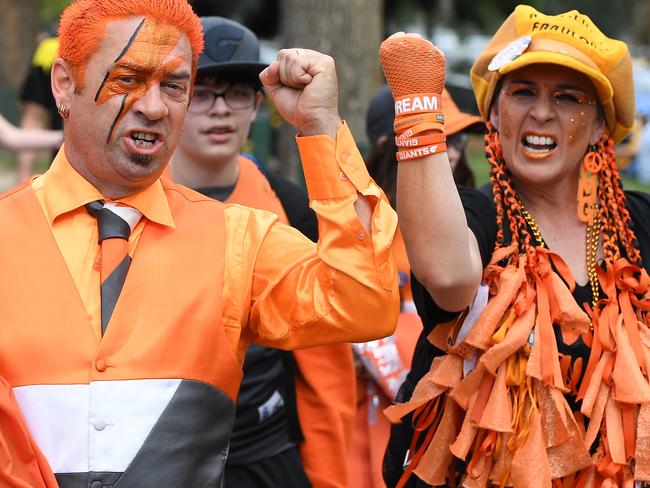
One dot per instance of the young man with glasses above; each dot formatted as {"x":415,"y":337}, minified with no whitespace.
{"x":295,"y":409}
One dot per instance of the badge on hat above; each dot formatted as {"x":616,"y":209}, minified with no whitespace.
{"x":509,"y":53}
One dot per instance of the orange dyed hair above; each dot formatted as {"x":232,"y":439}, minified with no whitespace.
{"x":83,"y":26}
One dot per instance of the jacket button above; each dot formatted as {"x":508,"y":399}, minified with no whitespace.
{"x":99,"y":425}
{"x":96,"y":484}
{"x":100,"y":366}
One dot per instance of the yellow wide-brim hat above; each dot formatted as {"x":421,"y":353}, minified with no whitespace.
{"x":570,"y":39}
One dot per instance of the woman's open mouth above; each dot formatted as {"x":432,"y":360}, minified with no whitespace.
{"x":538,"y":146}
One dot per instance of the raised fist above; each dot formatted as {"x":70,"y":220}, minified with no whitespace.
{"x":303,"y":86}
{"x":415,"y":72}
{"x":412,"y":65}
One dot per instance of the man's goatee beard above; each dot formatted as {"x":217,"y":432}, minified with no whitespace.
{"x":141,"y":159}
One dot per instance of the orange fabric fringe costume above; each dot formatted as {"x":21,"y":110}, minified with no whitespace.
{"x":508,"y":419}
{"x":510,"y":413}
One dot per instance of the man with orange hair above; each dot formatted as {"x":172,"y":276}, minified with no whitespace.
{"x":127,"y":371}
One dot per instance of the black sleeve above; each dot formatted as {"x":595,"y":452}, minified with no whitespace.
{"x":481,"y":220}
{"x":36,"y":88}
{"x":638,"y":203}
{"x":295,"y":202}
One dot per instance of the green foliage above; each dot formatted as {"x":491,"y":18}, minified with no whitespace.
{"x":49,"y":12}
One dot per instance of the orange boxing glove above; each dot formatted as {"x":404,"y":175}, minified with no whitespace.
{"x":415,"y":72}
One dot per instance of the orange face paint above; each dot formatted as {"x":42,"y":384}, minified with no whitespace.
{"x":144,"y":61}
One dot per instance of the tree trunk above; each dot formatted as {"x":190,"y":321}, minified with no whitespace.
{"x":350,"y":31}
{"x":18,"y":24}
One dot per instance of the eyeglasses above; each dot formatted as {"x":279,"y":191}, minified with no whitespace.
{"x":236,"y":97}
{"x":565,"y":98}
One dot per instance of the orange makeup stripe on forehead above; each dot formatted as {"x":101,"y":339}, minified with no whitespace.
{"x":144,"y":61}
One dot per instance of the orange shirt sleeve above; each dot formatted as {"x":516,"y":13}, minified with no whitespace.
{"x":326,"y":399}
{"x":290,"y":293}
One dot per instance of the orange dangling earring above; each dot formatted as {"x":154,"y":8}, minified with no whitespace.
{"x":591,"y":165}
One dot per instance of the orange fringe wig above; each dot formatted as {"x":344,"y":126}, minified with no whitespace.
{"x":508,"y":419}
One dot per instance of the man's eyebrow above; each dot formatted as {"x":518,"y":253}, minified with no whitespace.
{"x":136,"y":68}
{"x":130,"y":66}
{"x":179,"y":75}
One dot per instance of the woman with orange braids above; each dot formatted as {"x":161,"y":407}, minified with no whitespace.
{"x":532,"y":370}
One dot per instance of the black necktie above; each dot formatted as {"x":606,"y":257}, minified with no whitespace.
{"x":114,"y":232}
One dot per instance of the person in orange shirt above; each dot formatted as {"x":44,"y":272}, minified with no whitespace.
{"x":294,"y":410}
{"x":129,"y":301}
{"x":382,"y":364}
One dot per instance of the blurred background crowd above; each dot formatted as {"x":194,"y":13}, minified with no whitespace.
{"x":350,"y":31}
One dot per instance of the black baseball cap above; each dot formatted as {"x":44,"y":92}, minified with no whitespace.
{"x":230,"y":49}
{"x":380,"y":115}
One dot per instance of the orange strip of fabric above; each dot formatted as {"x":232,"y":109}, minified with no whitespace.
{"x":545,"y":330}
{"x":607,"y":333}
{"x":607,"y":371}
{"x":594,"y":355}
{"x":570,"y":372}
{"x":425,"y":417}
{"x":561,"y":267}
{"x":627,"y":279}
{"x":628,"y":414}
{"x":483,"y":450}
{"x":521,"y":422}
{"x":632,"y":328}
{"x":558,"y":483}
{"x":500,"y":333}
{"x":482,"y":397}
{"x":606,"y":467}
